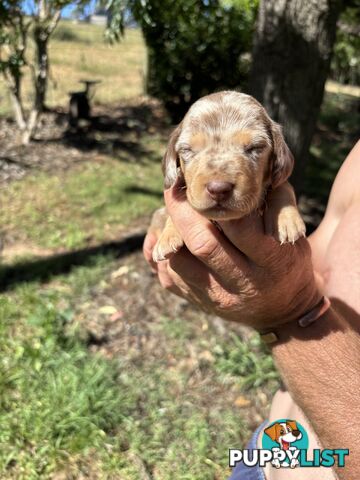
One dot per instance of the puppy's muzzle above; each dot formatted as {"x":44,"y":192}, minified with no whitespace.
{"x":219,"y":190}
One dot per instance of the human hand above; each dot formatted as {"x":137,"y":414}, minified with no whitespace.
{"x":240,"y":274}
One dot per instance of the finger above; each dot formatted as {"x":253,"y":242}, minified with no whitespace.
{"x":148,"y":246}
{"x":166,"y":281}
{"x":247,"y":234}
{"x":190,"y":269}
{"x":202,"y":238}
{"x":195,"y":294}
{"x":172,"y":282}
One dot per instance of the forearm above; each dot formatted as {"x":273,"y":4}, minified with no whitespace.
{"x":321,"y":368}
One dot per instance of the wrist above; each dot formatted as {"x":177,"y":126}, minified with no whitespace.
{"x":303,"y":322}
{"x":301,"y":304}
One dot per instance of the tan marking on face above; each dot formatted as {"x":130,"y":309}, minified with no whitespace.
{"x":241,"y":138}
{"x":230,"y":167}
{"x":198,"y":141}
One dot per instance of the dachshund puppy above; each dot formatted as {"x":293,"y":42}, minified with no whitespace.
{"x":232,"y":159}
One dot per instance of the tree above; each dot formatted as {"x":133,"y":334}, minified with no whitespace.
{"x":13,"y":40}
{"x":291,"y":59}
{"x":345,"y":65}
{"x":15,"y":27}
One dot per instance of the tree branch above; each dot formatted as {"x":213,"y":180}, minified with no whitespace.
{"x":53,"y":22}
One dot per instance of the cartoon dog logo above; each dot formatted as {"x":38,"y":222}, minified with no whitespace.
{"x":284,"y":433}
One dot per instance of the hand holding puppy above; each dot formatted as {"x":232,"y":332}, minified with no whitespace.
{"x":241,"y":273}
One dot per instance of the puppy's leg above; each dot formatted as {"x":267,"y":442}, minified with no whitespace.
{"x":158,"y":221}
{"x":282,"y":217}
{"x":169,"y":240}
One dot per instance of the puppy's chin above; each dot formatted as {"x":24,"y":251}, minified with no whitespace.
{"x":219,"y":212}
{"x":228,"y":210}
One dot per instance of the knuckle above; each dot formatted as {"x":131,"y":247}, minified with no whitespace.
{"x":165,"y":279}
{"x":202,"y":245}
{"x":166,"y":282}
{"x":305,"y":247}
{"x":221,"y":299}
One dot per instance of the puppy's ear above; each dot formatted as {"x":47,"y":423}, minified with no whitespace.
{"x":171,"y":162}
{"x":282,"y":161}
{"x":272,"y":432}
{"x":292,"y":424}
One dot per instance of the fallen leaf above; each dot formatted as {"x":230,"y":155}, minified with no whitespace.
{"x":107,"y":310}
{"x":207,"y":356}
{"x":205,"y":327}
{"x":123,"y":270}
{"x":116,"y":316}
{"x":242,"y":402}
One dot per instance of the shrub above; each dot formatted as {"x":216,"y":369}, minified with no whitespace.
{"x":345,"y":66}
{"x":194,"y":47}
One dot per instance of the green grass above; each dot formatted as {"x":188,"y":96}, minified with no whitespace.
{"x":89,"y":202}
{"x":66,"y":410}
{"x":249,"y":362}
{"x":56,"y":397}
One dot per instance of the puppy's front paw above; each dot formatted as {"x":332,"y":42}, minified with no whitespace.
{"x":290,"y":226}
{"x":168,"y":243}
{"x":276,"y":463}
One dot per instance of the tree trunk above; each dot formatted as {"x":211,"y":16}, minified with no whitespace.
{"x":13,"y":82}
{"x":41,"y":74}
{"x":41,"y":67}
{"x":30,"y":127}
{"x":291,"y":60}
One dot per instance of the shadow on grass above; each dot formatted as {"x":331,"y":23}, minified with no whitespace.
{"x":134,"y":189}
{"x":120,"y":132}
{"x":42,"y":269}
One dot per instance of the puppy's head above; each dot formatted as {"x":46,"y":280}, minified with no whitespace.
{"x":229,"y":152}
{"x":284,"y":433}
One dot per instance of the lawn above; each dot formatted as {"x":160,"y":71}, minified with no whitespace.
{"x":69,"y":411}
{"x":88,"y":203}
{"x":103,"y":374}
{"x":80,"y":52}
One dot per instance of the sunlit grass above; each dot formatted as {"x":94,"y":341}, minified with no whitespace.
{"x":64,"y":410}
{"x":79,"y":52}
{"x":91,"y":202}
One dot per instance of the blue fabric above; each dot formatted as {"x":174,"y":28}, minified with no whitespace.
{"x":241,"y":471}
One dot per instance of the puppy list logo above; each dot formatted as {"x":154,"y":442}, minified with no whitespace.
{"x":285,"y":438}
{"x":285,"y":444}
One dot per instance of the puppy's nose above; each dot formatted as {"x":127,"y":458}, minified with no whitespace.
{"x":219,"y":190}
{"x":296,"y":433}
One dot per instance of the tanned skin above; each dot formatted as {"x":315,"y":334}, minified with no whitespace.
{"x":246,"y":276}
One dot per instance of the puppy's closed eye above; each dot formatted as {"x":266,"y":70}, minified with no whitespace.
{"x":186,"y":152}
{"x":254,"y":149}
